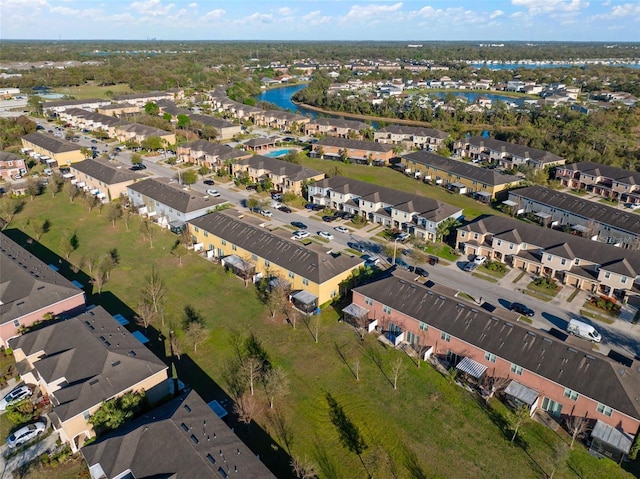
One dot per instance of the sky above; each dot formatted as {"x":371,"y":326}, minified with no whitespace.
{"x":409,"y":20}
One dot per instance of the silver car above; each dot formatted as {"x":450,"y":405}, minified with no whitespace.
{"x":16,"y":395}
{"x":26,"y":434}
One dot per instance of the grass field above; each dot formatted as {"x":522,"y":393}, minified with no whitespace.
{"x":90,"y":90}
{"x":428,"y":427}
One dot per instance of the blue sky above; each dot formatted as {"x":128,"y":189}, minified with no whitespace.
{"x":409,"y":20}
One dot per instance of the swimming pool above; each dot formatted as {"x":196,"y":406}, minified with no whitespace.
{"x":276,"y":153}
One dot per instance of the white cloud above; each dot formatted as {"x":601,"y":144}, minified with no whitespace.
{"x":541,"y":7}
{"x":316,"y":18}
{"x":152,"y":8}
{"x":626,"y":10}
{"x":360,"y":12}
{"x":285,"y":11}
{"x":254,"y":18}
{"x":496,"y":14}
{"x":215,"y":14}
{"x":456,"y":15}
{"x":193,"y":5}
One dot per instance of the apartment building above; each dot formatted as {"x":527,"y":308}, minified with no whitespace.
{"x":357,"y":151}
{"x":104,"y":179}
{"x":335,"y":127}
{"x":51,"y":147}
{"x":602,"y":180}
{"x":212,"y":155}
{"x":11,"y":165}
{"x":411,"y":137}
{"x":285,"y":176}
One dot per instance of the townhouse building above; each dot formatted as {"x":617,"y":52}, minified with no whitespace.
{"x":284,"y":121}
{"x":571,"y":260}
{"x":182,"y":438}
{"x":225,"y":129}
{"x":119,"y":109}
{"x":312,"y":273}
{"x":168,"y":203}
{"x":418,"y":215}
{"x":49,"y":147}
{"x":411,"y":137}
{"x":11,"y":165}
{"x":53,"y":108}
{"x":32,"y":290}
{"x":562,"y":379}
{"x":335,"y":127}
{"x":81,"y":363}
{"x":285,"y":176}
{"x":104,"y":179}
{"x":212,"y":155}
{"x":357,"y":151}
{"x":585,"y":218}
{"x":141,"y":99}
{"x":457,"y":176}
{"x":602,"y":180}
{"x":90,"y":120}
{"x":505,"y":154}
{"x":139,"y":133}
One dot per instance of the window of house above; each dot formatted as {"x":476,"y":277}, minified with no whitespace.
{"x":254,"y":257}
{"x":548,"y":257}
{"x":515,"y":369}
{"x":368,"y":301}
{"x":475,"y":235}
{"x":510,"y":245}
{"x":305,"y":281}
{"x":576,"y":261}
{"x":197,"y":230}
{"x":445,"y":336}
{"x":234,"y":247}
{"x":606,"y":410}
{"x":16,"y":323}
{"x":499,"y":242}
{"x":462,"y":234}
{"x":563,"y":261}
{"x":490,"y":357}
{"x":423,"y":326}
{"x":86,"y":415}
{"x":623,"y":280}
{"x":291,"y":275}
{"x":607,"y":275}
{"x":386,"y":309}
{"x":571,"y":394}
{"x":206,"y":233}
{"x":224,"y":242}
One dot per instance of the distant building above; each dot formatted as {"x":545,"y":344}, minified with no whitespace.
{"x":285,"y":176}
{"x":411,"y":136}
{"x":603,"y":180}
{"x":336,"y":127}
{"x":11,"y":165}
{"x":104,"y":179}
{"x":358,"y":151}
{"x":61,"y":151}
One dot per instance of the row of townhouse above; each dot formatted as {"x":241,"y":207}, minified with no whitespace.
{"x":91,"y":357}
{"x":602,"y":180}
{"x":102,"y":178}
{"x":418,"y":215}
{"x":540,"y":370}
{"x":11,"y":165}
{"x":411,"y":137}
{"x":571,"y":260}
{"x":49,"y":147}
{"x":311,"y":273}
{"x":457,"y":176}
{"x":212,"y":155}
{"x":53,"y":108}
{"x":336,"y":127}
{"x":357,"y":151}
{"x":505,"y":154}
{"x":141,"y":99}
{"x":224,"y":128}
{"x":590,"y":219}
{"x":286,"y":177}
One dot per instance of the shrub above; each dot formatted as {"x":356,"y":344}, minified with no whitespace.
{"x":496,"y":266}
{"x":21,"y":412}
{"x":545,"y":283}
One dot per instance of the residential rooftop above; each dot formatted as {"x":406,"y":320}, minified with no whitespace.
{"x":171,"y":194}
{"x":598,"y":169}
{"x":414,"y":131}
{"x":51,"y":143}
{"x":521,"y":151}
{"x":106,"y":172}
{"x":280,"y":167}
{"x":355,"y":144}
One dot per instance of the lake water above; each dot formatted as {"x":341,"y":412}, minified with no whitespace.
{"x":472,"y":97}
{"x":531,"y":66}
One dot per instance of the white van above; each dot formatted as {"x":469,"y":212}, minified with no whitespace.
{"x":584,"y":330}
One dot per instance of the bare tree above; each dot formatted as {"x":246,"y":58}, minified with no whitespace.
{"x":126,"y":218}
{"x":316,"y":327}
{"x":114,"y":212}
{"x":148,"y":231}
{"x":146,"y":314}
{"x":196,"y":333}
{"x":55,"y":185}
{"x":276,"y":384}
{"x":71,"y":191}
{"x":91,"y":201}
{"x":251,"y":369}
{"x":9,"y":208}
{"x":519,"y":417}
{"x":558,"y":457}
{"x":69,"y":243}
{"x":576,"y":425}
{"x":40,"y":228}
{"x":99,"y":280}
{"x":90,"y":261}
{"x":174,"y":343}
{"x":179,"y":250}
{"x":276,"y":300}
{"x":303,"y":468}
{"x":154,"y":289}
{"x":397,"y":370}
{"x":495,"y":384}
{"x":32,"y":188}
{"x":247,"y":407}
{"x":356,"y":369}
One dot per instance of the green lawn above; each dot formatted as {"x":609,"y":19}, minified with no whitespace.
{"x":428,"y":427}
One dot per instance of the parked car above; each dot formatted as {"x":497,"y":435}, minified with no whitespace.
{"x":14,"y":396}
{"x":371,"y":261}
{"x":422,"y":272}
{"x":403,"y":264}
{"x":17,"y":177}
{"x":479,"y":260}
{"x":341,"y":229}
{"x":470,"y":266}
{"x":522,"y":309}
{"x":299,"y":225}
{"x":433,"y":260}
{"x":328,"y":218}
{"x":357,"y":246}
{"x":138,"y":167}
{"x":404,"y":236}
{"x":298,"y":235}
{"x":212,"y":192}
{"x":276,"y":196}
{"x":252,"y":187}
{"x":325,"y":235}
{"x":284,"y":209}
{"x":266,"y":213}
{"x":317,"y":207}
{"x":209,"y":182}
{"x":583,"y":330}
{"x":26,"y":434}
{"x":94,"y":141}
{"x":308,"y":206}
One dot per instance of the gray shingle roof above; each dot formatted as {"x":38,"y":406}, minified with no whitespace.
{"x":598,"y":169}
{"x":28,"y":284}
{"x":623,"y":220}
{"x":51,"y":143}
{"x":105,"y":172}
{"x":162,"y":444}
{"x":96,"y":117}
{"x":145,"y":130}
{"x":312,"y":262}
{"x":280,"y":167}
{"x":476,"y":173}
{"x":223,"y":152}
{"x":355,"y":144}
{"x":340,"y":123}
{"x":609,"y":257}
{"x":414,"y":131}
{"x":97,"y":357}
{"x":514,"y":149}
{"x":591,"y":375}
{"x":172,"y":195}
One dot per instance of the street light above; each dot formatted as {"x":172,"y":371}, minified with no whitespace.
{"x":395,"y":246}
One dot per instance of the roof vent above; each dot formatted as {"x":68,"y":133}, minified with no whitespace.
{"x":115,"y":363}
{"x":572,"y":350}
{"x":547,"y":340}
{"x":132,"y":354}
{"x":531,"y":333}
{"x":187,"y":408}
{"x":95,"y":381}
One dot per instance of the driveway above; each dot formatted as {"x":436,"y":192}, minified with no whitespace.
{"x":7,"y":466}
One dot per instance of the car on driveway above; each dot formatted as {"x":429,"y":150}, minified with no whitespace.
{"x":209,"y":182}
{"x":16,"y":395}
{"x":317,"y":207}
{"x":325,"y":235}
{"x":470,"y":266}
{"x":26,"y":434}
{"x":479,"y":260}
{"x":522,"y":309}
{"x":252,"y":187}
{"x":341,"y":229}
{"x":284,"y":209}
{"x":299,"y":225}
{"x":298,"y":235}
{"x":212,"y":192}
{"x":328,"y":218}
{"x":403,"y":236}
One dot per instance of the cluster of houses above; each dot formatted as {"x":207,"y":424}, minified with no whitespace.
{"x":88,"y":356}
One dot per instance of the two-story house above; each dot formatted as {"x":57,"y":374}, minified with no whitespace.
{"x":313,"y":272}
{"x":336,"y":127}
{"x":411,"y":137}
{"x":11,"y":165}
{"x":587,"y":218}
{"x":357,"y":151}
{"x":569,"y":259}
{"x":603,"y":180}
{"x":141,"y":99}
{"x":90,"y":120}
{"x":284,"y":121}
{"x":418,"y":215}
{"x":54,"y":108}
{"x":457,"y":176}
{"x":138,"y":133}
{"x":507,"y":155}
{"x":104,"y":179}
{"x":81,"y":362}
{"x":212,"y":155}
{"x":285,"y":176}
{"x":62,"y":152}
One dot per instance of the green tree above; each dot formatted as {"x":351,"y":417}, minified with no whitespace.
{"x":445,"y":228}
{"x":114,"y":212}
{"x":517,"y":418}
{"x":189,"y":177}
{"x":208,"y":132}
{"x":151,"y":108}
{"x":113,"y":413}
{"x":136,"y":158}
{"x":183,"y":121}
{"x":152,"y":143}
